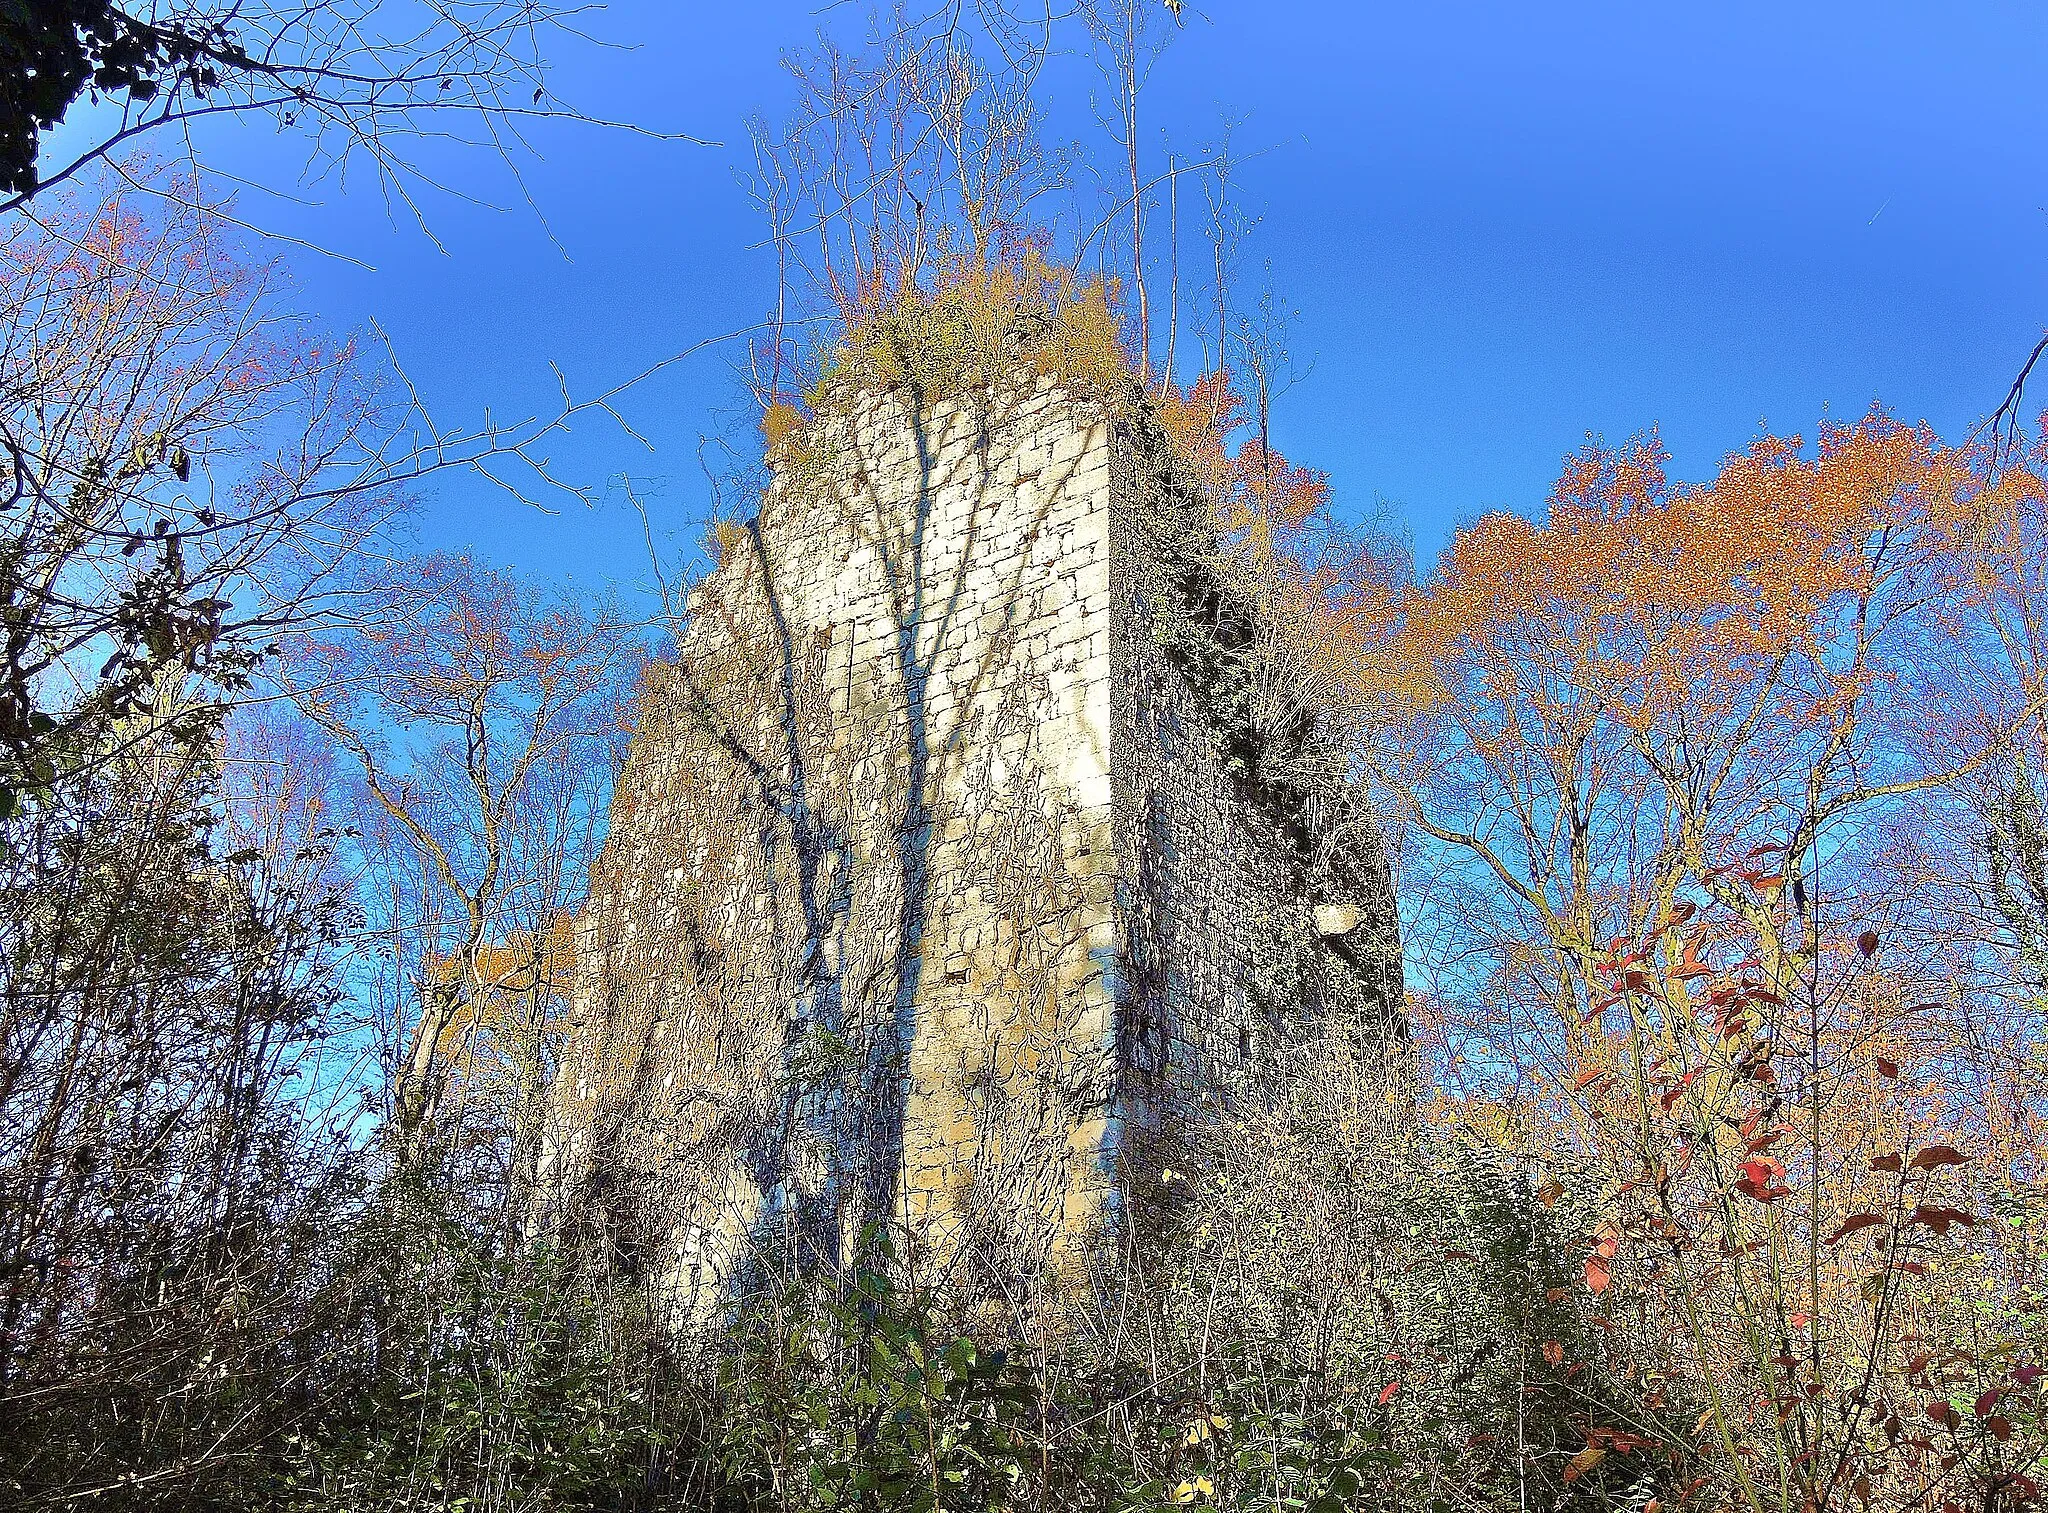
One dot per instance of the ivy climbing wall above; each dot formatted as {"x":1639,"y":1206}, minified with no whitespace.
{"x":939,"y":889}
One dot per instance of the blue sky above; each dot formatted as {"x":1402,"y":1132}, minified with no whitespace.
{"x":1503,"y":226}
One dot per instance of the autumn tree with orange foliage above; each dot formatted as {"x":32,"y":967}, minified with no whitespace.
{"x":1288,"y":569}
{"x":1658,"y":752}
{"x":1603,"y":709}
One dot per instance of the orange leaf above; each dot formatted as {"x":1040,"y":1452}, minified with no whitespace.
{"x":1554,"y":1353}
{"x":1583,"y":1462}
{"x":1387,"y":1393}
{"x":1599,"y":1273}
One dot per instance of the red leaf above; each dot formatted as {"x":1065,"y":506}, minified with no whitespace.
{"x":1867,"y":943}
{"x":2026,"y":1376}
{"x":1885,"y":1163}
{"x":1939,"y":1219}
{"x":1987,"y":1402}
{"x":1937,"y":1155}
{"x":1387,"y":1393}
{"x":1759,"y":1180}
{"x":1588,"y":1077}
{"x":1887,"y":1068}
{"x":1850,"y":1225}
{"x":1689,"y":963}
{"x":1599,"y":1273}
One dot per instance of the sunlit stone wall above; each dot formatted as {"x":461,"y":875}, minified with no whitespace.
{"x":931,"y":895}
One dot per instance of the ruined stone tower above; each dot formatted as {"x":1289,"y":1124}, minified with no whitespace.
{"x":942,"y":880}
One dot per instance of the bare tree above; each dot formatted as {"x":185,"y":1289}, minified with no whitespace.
{"x":173,"y":1146}
{"x":365,"y":81}
{"x":1269,"y":363}
{"x":1128,"y":37}
{"x":187,"y":466}
{"x":484,"y":720}
{"x":899,"y":162}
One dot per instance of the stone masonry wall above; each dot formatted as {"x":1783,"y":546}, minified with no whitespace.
{"x":929,"y":884}
{"x":1245,"y":934}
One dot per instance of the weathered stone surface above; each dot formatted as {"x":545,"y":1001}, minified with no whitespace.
{"x":934,"y":890}
{"x":1338,"y":919}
